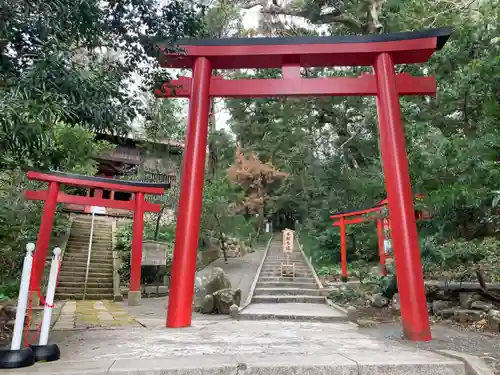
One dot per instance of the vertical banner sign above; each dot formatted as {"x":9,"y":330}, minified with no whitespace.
{"x":287,"y":241}
{"x":387,"y":235}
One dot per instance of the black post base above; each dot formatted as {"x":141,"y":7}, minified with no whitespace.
{"x":46,"y":353}
{"x":16,"y":358}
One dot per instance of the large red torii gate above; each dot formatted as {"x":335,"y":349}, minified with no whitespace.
{"x":290,"y":54}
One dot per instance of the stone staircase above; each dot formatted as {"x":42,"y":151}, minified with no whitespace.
{"x":287,"y":298}
{"x":72,"y":275}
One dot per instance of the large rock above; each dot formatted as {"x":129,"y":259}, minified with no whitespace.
{"x":466,"y":316}
{"x":378,"y":300}
{"x":225,"y":298}
{"x":439,"y":305}
{"x":467,"y":298}
{"x":481,"y":305}
{"x":494,"y":320}
{"x":208,"y":285}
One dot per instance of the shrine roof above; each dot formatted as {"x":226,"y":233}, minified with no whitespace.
{"x":308,"y":51}
{"x":99,"y":182}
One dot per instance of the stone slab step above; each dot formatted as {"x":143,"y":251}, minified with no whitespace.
{"x":285,"y":279}
{"x":293,"y":312}
{"x":85,"y":241}
{"x":106,"y":284}
{"x":103,"y":251}
{"x":286,"y":284}
{"x":79,"y":290}
{"x":79,"y":296}
{"x":81,"y":273}
{"x":287,"y":299}
{"x":278,"y":273}
{"x":78,"y":266}
{"x":287,"y":292}
{"x":81,"y":278}
{"x":94,"y":258}
{"x":272,"y":268}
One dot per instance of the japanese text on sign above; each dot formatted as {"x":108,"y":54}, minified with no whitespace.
{"x":287,"y":240}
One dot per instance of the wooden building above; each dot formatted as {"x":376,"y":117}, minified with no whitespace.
{"x":132,"y":159}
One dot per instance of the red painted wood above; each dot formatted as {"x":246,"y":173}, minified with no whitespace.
{"x":307,"y":55}
{"x":190,"y":200}
{"x":262,"y":88}
{"x":137,"y":232}
{"x":350,"y":221}
{"x":42,"y":242}
{"x":415,"y":318}
{"x":355,"y":213}
{"x":93,"y":184}
{"x":343,"y":248}
{"x":41,"y":195}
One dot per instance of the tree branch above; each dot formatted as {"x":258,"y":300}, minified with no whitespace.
{"x":327,"y":15}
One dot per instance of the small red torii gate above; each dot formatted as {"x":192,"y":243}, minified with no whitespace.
{"x":343,"y":219}
{"x":53,"y":195}
{"x":382,"y":52}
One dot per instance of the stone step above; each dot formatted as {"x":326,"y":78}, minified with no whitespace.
{"x":267,"y":268}
{"x":288,"y":299}
{"x":286,"y":291}
{"x":98,"y":230}
{"x":301,"y":312}
{"x":105,"y":283}
{"x":69,"y":271}
{"x":282,"y":260}
{"x":277,"y":273}
{"x":96,"y":250}
{"x":94,"y":259}
{"x":86,"y":233}
{"x":96,"y":240}
{"x":285,"y":279}
{"x":79,"y":279}
{"x":78,"y":266}
{"x":286,"y":284}
{"x":79,"y":296}
{"x":79,"y":290}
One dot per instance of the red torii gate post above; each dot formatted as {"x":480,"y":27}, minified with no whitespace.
{"x":382,"y":52}
{"x":52,"y":195}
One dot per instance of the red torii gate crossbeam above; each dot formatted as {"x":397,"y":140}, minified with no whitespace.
{"x":52,"y":195}
{"x":381,"y":52}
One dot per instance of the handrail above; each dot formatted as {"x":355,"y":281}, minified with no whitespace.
{"x":89,"y":254}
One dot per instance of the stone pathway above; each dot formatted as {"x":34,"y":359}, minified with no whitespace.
{"x":228,"y":347}
{"x":92,"y":314}
{"x":288,"y":298}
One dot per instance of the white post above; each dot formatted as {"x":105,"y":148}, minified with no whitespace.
{"x":268,"y":227}
{"x":22,"y":300}
{"x":90,"y":252}
{"x":49,"y":299}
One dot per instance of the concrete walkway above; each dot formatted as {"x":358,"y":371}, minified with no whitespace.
{"x":241,"y":347}
{"x":152,"y":312}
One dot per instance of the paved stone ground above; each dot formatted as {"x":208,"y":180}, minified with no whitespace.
{"x":484,"y":345}
{"x":225,"y":347}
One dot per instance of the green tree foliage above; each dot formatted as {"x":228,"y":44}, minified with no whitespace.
{"x":68,"y":70}
{"x":329,"y":146}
